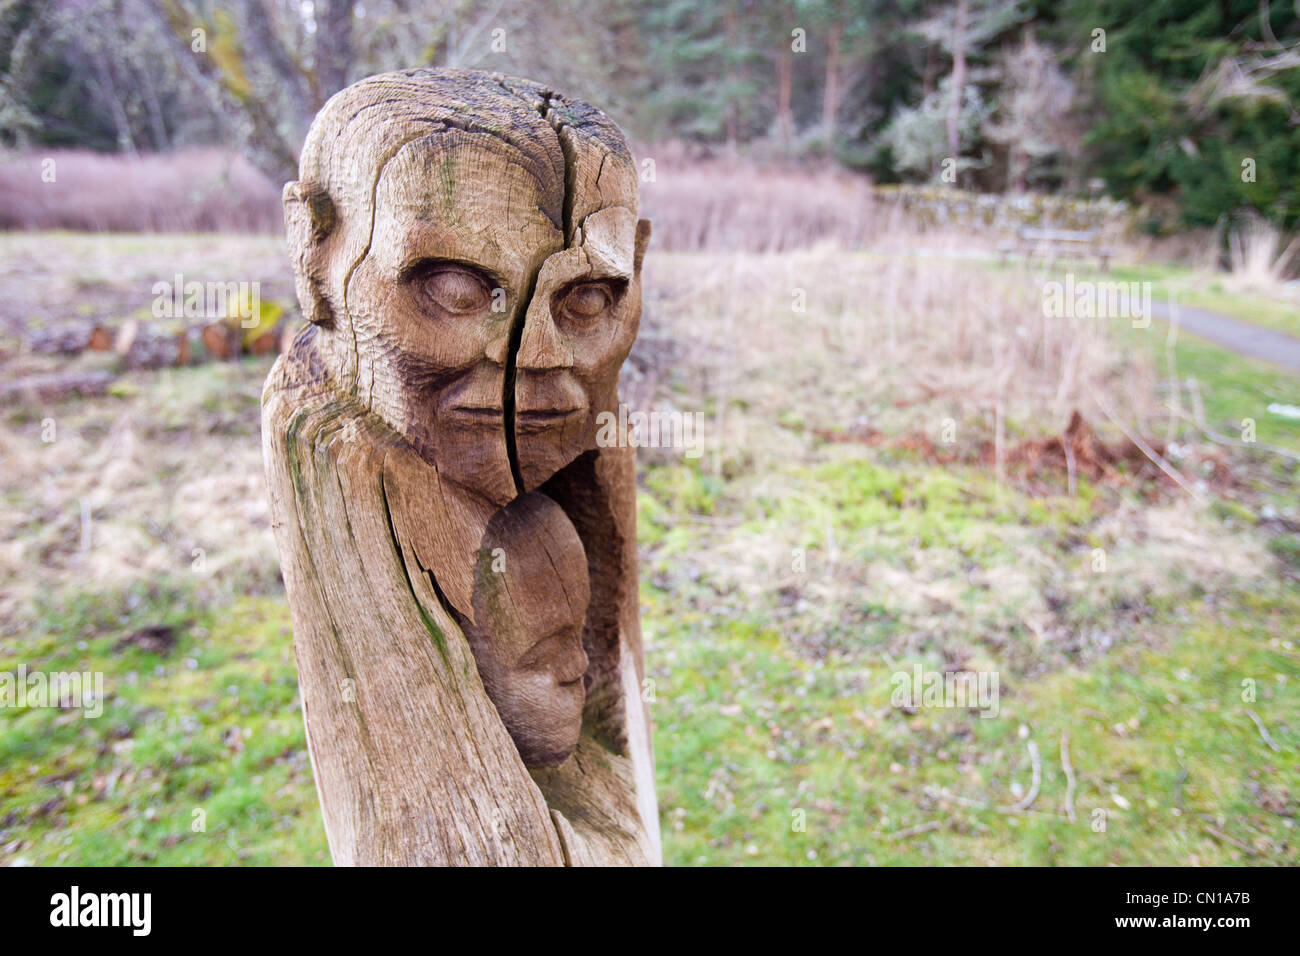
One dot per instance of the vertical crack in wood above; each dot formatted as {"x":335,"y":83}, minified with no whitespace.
{"x":558,"y":821}
{"x":435,"y":632}
{"x":508,"y":395}
{"x":543,"y":108}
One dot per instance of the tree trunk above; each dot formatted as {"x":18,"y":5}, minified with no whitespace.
{"x":106,"y":87}
{"x":958,"y":79}
{"x":831,"y":93}
{"x":784,"y":82}
{"x":46,"y":388}
{"x":333,"y":46}
{"x":733,"y":108}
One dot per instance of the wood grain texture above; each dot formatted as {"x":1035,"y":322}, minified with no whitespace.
{"x":467,"y":249}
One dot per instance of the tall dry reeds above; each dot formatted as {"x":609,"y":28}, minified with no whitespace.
{"x":694,"y":203}
{"x":715,"y":203}
{"x":733,"y":205}
{"x":1257,"y":258}
{"x":196,"y":190}
{"x":845,"y":343}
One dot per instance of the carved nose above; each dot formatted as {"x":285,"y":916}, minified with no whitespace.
{"x":542,"y":347}
{"x":498,"y":349}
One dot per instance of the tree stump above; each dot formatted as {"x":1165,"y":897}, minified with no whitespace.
{"x":459,"y":552}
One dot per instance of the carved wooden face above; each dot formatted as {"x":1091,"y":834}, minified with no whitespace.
{"x":530,"y":602}
{"x":464,"y":240}
{"x":468,"y":248}
{"x":460,"y":229}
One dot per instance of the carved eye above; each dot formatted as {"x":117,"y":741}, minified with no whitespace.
{"x":587,"y":300}
{"x":456,"y":290}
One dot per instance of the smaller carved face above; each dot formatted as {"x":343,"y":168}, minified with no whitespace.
{"x":531,"y":593}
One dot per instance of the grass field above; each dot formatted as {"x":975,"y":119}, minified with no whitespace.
{"x":831,"y":537}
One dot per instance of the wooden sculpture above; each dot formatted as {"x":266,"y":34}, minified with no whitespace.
{"x":458,"y":551}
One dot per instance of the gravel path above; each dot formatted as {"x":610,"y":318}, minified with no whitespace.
{"x":1241,"y":337}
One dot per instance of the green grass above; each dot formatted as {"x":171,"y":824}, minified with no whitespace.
{"x":769,"y":754}
{"x":1257,"y":310}
{"x":780,"y":594}
{"x":1233,"y":387}
{"x":1159,"y":740}
{"x":1202,"y":291}
{"x":198,"y":757}
{"x":765,"y":754}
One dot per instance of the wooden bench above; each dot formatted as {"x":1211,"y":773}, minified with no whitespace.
{"x":1049,"y":243}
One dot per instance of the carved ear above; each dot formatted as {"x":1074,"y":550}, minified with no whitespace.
{"x":309,"y":218}
{"x":642,"y":243}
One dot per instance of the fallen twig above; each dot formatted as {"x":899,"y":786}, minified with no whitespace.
{"x":1022,"y":807}
{"x":1069,"y":775}
{"x":914,"y":831}
{"x":1198,"y":418}
{"x":939,"y":793}
{"x":1220,"y":835}
{"x":1156,"y":458}
{"x":1221,"y":439}
{"x":57,"y":386}
{"x":1263,"y":731}
{"x":1032,"y":795}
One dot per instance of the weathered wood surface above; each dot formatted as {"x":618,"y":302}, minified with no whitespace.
{"x":458,"y":553}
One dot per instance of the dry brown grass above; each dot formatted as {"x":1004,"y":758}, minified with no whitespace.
{"x":169,"y":470}
{"x":892,"y":349}
{"x":717,"y":204}
{"x":695,"y":204}
{"x":196,"y":190}
{"x":886,"y":342}
{"x":732,"y":205}
{"x":1259,"y":256}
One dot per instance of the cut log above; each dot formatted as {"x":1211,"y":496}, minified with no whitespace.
{"x":147,"y":347}
{"x":126,"y":335}
{"x":223,"y":340}
{"x":47,"y":388}
{"x":270,"y":342}
{"x":101,"y":339}
{"x":70,"y":339}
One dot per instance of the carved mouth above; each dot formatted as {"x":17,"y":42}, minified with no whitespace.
{"x":566,"y":672}
{"x":477,"y":413}
{"x":531,"y":419}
